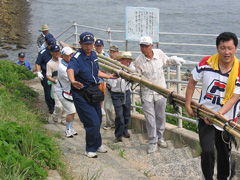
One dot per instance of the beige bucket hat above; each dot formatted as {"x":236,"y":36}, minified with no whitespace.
{"x":45,"y":27}
{"x":125,"y":55}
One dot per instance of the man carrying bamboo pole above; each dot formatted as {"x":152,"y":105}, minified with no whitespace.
{"x":150,"y":64}
{"x":220,"y":92}
{"x":83,"y":73}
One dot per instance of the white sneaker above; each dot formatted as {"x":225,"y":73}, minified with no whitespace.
{"x":68,"y":133}
{"x":106,"y":127}
{"x":152,"y":148}
{"x":91,"y":154}
{"x":162,"y":143}
{"x":54,"y":118}
{"x":50,"y":118}
{"x":102,"y":149}
{"x":103,"y":112}
{"x":73,"y":132}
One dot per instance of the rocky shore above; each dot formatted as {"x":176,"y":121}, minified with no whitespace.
{"x":14,"y":35}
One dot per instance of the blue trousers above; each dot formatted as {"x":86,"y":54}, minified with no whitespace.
{"x":122,"y":111}
{"x":47,"y":93}
{"x":91,"y":117}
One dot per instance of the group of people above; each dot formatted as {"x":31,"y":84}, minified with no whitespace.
{"x":74,"y":81}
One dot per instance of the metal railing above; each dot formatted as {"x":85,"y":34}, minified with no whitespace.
{"x":177,"y":70}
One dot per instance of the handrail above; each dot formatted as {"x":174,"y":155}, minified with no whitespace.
{"x":64,"y":32}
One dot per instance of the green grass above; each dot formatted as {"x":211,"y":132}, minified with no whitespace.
{"x":27,"y":150}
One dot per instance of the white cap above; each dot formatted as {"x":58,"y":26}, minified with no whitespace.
{"x":146,"y":40}
{"x":67,"y":50}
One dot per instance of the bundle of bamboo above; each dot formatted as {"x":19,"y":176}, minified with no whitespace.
{"x":199,"y":110}
{"x":113,"y":66}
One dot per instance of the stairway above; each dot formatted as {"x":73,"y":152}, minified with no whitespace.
{"x":167,"y":163}
{"x":127,"y":160}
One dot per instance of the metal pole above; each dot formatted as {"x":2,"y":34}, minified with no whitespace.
{"x":109,"y":37}
{"x":168,"y":76}
{"x":126,"y":45}
{"x":75,"y":33}
{"x":179,"y":91}
{"x":133,"y":102}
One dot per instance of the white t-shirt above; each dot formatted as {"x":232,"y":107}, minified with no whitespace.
{"x":63,"y":78}
{"x":213,"y":88}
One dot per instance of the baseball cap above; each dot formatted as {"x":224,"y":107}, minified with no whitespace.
{"x":47,"y":36}
{"x":99,"y":42}
{"x":146,"y":40}
{"x":21,"y":54}
{"x":51,"y":41}
{"x":114,"y":48}
{"x":87,"y":37}
{"x":54,"y":48}
{"x":67,"y":50}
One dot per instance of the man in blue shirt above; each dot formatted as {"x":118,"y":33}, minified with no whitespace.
{"x":83,"y":72}
{"x":22,"y":62}
{"x":43,"y":57}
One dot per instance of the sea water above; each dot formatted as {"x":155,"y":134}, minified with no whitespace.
{"x":178,"y":16}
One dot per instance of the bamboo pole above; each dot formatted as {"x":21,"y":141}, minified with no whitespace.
{"x":213,"y":116}
{"x":115,"y":62}
{"x":108,"y":63}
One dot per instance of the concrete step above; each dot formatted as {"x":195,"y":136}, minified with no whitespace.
{"x":134,"y":149}
{"x":185,"y":169}
{"x":106,"y":166}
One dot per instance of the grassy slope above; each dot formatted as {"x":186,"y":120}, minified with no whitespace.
{"x":27,"y":150}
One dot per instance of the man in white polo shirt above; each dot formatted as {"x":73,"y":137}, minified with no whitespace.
{"x":150,"y":64}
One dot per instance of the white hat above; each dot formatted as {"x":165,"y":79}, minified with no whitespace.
{"x":67,"y":50}
{"x":146,"y":40}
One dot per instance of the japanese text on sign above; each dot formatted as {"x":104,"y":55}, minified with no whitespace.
{"x":142,"y":21}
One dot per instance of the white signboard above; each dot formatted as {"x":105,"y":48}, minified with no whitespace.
{"x":141,"y":21}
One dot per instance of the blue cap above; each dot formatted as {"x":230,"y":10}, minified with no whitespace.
{"x":21,"y":54}
{"x":51,"y":41}
{"x":54,"y":48}
{"x":99,"y":42}
{"x":47,"y":36}
{"x":86,"y":37}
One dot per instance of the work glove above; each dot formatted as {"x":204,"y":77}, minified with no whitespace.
{"x":40,"y":76}
{"x":178,"y":60}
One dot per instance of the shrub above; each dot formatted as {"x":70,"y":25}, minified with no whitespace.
{"x":27,"y":150}
{"x":10,"y":76}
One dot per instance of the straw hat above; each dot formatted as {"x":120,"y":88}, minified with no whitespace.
{"x":45,"y":27}
{"x":125,"y":55}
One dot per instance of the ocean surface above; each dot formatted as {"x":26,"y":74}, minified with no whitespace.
{"x":176,"y":16}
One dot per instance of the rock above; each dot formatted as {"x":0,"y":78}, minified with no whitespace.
{"x":21,"y":46}
{"x":53,"y":175}
{"x":7,"y":47}
{"x":3,"y":55}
